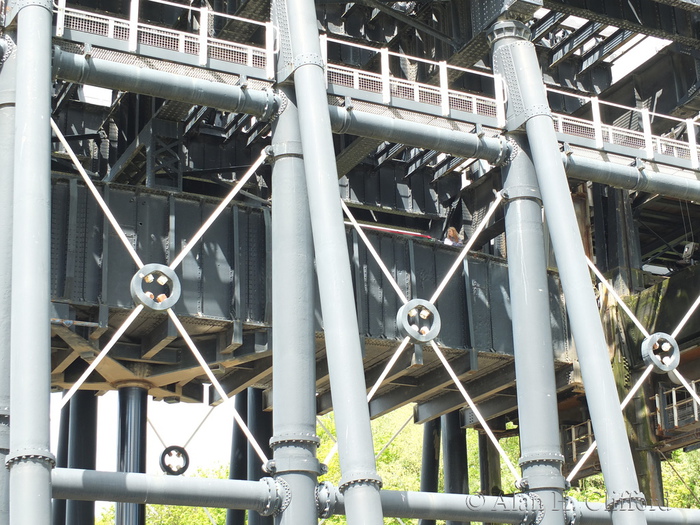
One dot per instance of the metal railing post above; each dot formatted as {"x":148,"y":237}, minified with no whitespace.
{"x":386,"y":75}
{"x":692,"y":143}
{"x":60,"y":17}
{"x":134,"y":26}
{"x":648,"y":139}
{"x":500,"y":95}
{"x":323,"y":40}
{"x":203,"y":36}
{"x":444,"y":89}
{"x":269,"y":51}
{"x":597,"y":122}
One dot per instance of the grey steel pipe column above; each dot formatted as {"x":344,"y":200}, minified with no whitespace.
{"x":360,"y":481}
{"x":430,"y":461}
{"x":8,"y":64}
{"x":514,"y":56}
{"x":30,"y":460}
{"x":454,"y":447}
{"x":260,"y":425}
{"x":238,"y":466}
{"x":131,"y":454}
{"x":294,"y":441}
{"x":82,"y":449}
{"x":58,"y":506}
{"x":540,"y":446}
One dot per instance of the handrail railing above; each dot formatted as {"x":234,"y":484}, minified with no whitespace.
{"x":199,"y":43}
{"x":383,"y":82}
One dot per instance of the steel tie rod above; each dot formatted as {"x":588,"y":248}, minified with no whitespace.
{"x":217,"y":385}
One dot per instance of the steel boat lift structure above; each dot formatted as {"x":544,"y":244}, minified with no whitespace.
{"x":257,"y":195}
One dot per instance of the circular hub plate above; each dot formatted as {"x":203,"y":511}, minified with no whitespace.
{"x":156,"y":287}
{"x":419,"y":320}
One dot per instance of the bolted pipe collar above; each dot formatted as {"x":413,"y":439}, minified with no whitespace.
{"x":508,"y":29}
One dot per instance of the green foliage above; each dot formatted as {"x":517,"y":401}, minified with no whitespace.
{"x":681,"y":477}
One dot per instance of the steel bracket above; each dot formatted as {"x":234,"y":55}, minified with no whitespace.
{"x":21,"y":4}
{"x":308,"y":58}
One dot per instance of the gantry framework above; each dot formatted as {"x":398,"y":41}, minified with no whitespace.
{"x":238,"y":144}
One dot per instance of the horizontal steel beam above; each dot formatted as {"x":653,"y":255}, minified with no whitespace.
{"x":83,"y":69}
{"x":631,"y":177}
{"x":261,"y":496}
{"x":90,"y":485}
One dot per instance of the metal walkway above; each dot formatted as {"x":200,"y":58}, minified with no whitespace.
{"x":374,"y":92}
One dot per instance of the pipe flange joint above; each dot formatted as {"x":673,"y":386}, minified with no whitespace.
{"x":7,"y":47}
{"x":506,"y":29}
{"x":278,"y":498}
{"x":506,"y":155}
{"x":43,"y":456}
{"x":572,"y":512}
{"x":359,"y":478}
{"x":541,"y":457}
{"x":271,"y":109}
{"x":625,"y":500}
{"x":308,"y":438}
{"x":325,"y":499}
{"x":419,"y":320}
{"x":164,"y":286}
{"x":305,"y":59}
{"x":661,"y":350}
{"x":535,"y":508}
{"x":514,"y":150}
{"x":281,"y":105}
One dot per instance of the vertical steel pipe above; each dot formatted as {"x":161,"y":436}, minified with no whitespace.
{"x":58,"y":506}
{"x":489,"y":468}
{"x":360,"y":481}
{"x":8,"y":64}
{"x":430,"y":461}
{"x":30,"y":460}
{"x":131,"y":443}
{"x":82,"y":450}
{"x":238,"y":467}
{"x":454,"y":446}
{"x":294,"y":440}
{"x":515,"y":58}
{"x":260,"y":424}
{"x":540,"y":446}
